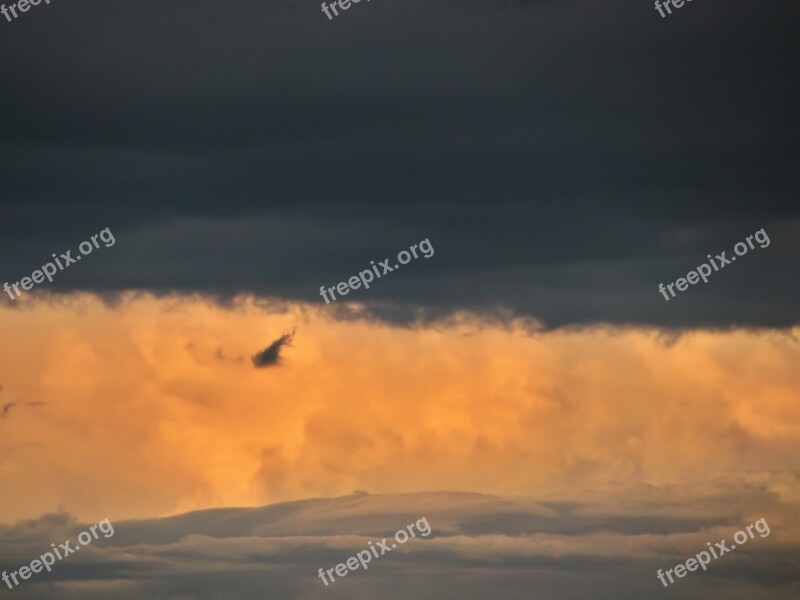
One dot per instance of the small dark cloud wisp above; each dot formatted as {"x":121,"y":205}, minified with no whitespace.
{"x":270,"y":356}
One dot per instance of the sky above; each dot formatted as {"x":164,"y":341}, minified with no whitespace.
{"x":520,"y":380}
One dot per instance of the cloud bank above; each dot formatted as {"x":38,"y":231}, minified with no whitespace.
{"x":481,"y":545}
{"x":143,"y":413}
{"x":567,"y":157}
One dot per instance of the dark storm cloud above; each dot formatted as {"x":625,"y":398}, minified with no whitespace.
{"x":270,"y":355}
{"x":566,"y":157}
{"x":489,"y":547}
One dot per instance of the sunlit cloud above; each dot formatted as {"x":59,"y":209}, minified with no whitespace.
{"x":147,"y":413}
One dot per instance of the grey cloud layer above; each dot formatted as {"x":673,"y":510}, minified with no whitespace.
{"x":485,"y":545}
{"x":565,"y":156}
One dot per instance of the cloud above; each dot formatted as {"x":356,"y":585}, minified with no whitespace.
{"x":619,"y":170}
{"x":524,"y":547}
{"x":461,"y":403}
{"x":270,"y":355}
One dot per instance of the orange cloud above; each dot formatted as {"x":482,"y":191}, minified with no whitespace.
{"x":154,"y":407}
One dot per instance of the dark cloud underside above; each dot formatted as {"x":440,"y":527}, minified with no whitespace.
{"x":563,"y":157}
